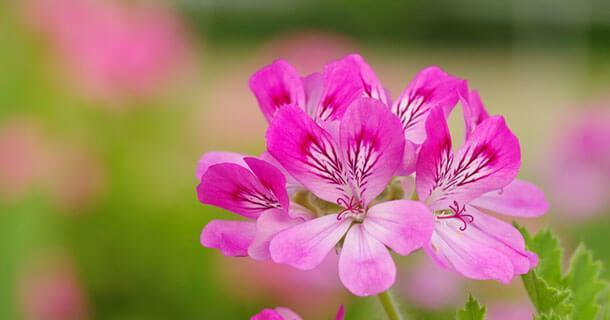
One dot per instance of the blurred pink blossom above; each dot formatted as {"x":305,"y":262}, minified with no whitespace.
{"x":579,"y":170}
{"x":310,"y":292}
{"x":50,"y":290}
{"x":22,"y":146}
{"x":70,"y":175}
{"x":510,"y":311}
{"x":114,"y":48}
{"x":307,"y":50}
{"x":431,"y":287}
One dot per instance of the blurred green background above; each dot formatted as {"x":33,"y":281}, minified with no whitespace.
{"x":99,"y":217}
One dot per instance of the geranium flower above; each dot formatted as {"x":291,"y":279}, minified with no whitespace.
{"x":349,"y":168}
{"x":281,"y":313}
{"x":453,"y":186}
{"x":249,"y":187}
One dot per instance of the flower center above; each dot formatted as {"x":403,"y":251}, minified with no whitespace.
{"x":457,"y":212}
{"x":353,"y":208}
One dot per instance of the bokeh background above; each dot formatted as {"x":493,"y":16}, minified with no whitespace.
{"x":106,"y":106}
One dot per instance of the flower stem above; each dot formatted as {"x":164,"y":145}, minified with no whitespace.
{"x":389,"y":305}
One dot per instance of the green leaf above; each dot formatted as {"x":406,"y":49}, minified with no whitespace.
{"x":550,"y":255}
{"x":472,"y":310}
{"x":583,"y":279}
{"x":606,"y":315}
{"x":545,"y":298}
{"x":548,"y":316}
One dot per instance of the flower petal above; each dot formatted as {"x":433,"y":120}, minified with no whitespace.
{"x":292,"y":185}
{"x":366,"y":267}
{"x":431,"y":87}
{"x":372,"y":146}
{"x":232,"y":238}
{"x":488,"y":161}
{"x":215,"y":157}
{"x":340,"y":313}
{"x":304,"y":246}
{"x":237,"y":189}
{"x":268,"y":225}
{"x":473,"y":109}
{"x":402,"y":225}
{"x":308,"y":153}
{"x":519,"y":198}
{"x":342,"y":85}
{"x":275,"y":86}
{"x":271,"y":178}
{"x":314,"y":88}
{"x":452,"y":250}
{"x":371,"y":85}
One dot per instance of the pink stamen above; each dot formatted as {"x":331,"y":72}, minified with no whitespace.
{"x":353,"y":206}
{"x":458,"y":213}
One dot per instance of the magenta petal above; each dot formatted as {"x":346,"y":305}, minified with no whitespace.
{"x":215,"y":157}
{"x":304,"y":246}
{"x":308,"y":153}
{"x":232,"y":238}
{"x":519,"y":198}
{"x":292,"y":185}
{"x":268,"y":225}
{"x":340,"y":313}
{"x":342,"y":85}
{"x":434,"y":155}
{"x":371,"y":85}
{"x":488,"y":161}
{"x":372,"y":146}
{"x":366,"y":267}
{"x":474,"y":110}
{"x":271,"y":178}
{"x":275,"y":86}
{"x":431,"y":87}
{"x":287,"y":314}
{"x":235,"y":188}
{"x":314,"y":88}
{"x":402,"y":225}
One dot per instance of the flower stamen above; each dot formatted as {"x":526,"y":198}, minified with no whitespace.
{"x":353,"y":206}
{"x":458,"y":213}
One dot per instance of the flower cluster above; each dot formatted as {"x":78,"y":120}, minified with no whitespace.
{"x":347,"y":168}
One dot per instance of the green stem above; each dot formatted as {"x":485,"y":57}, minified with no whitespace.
{"x":389,"y":305}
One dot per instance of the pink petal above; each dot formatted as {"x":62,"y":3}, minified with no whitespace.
{"x":431,"y":87}
{"x":503,"y":237}
{"x":271,"y":178}
{"x":342,"y":85}
{"x":271,"y":314}
{"x":237,"y":189}
{"x":308,"y":153}
{"x":314,"y":88}
{"x":519,"y":198}
{"x":304,"y":246}
{"x":340,"y":313}
{"x":215,"y":157}
{"x":371,"y":84}
{"x":452,"y":250}
{"x":268,"y":225}
{"x":275,"y":86}
{"x":287,"y":314}
{"x":474,"y":110}
{"x":488,"y":161}
{"x":372,"y":146}
{"x":232,"y":238}
{"x":409,"y":160}
{"x":292,"y":185}
{"x":366,"y":267}
{"x":402,"y":225}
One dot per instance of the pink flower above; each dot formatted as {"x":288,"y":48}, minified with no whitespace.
{"x":281,"y":313}
{"x":52,"y":291}
{"x":480,"y":175}
{"x":579,"y":170}
{"x":249,"y":187}
{"x":426,"y":285}
{"x":112,"y":48}
{"x":349,"y":164}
